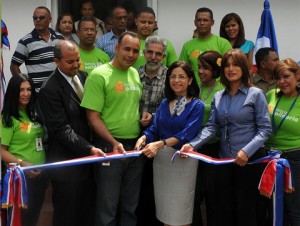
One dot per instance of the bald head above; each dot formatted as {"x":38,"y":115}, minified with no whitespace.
{"x":66,"y":57}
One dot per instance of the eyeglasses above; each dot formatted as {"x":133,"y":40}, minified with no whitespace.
{"x":88,"y":29}
{"x":157,"y":54}
{"x":35,"y":17}
{"x":179,"y":77}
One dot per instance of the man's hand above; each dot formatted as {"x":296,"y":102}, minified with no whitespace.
{"x":146,"y":118}
{"x":97,"y":151}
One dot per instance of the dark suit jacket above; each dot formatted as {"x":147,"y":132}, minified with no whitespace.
{"x":68,"y":129}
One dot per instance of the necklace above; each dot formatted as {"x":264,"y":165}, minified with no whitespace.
{"x":208,"y":93}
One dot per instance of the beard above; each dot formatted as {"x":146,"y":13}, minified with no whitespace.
{"x":153,"y":67}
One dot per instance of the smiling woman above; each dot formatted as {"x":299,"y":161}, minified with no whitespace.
{"x":232,"y":29}
{"x":284,"y":110}
{"x":22,"y":141}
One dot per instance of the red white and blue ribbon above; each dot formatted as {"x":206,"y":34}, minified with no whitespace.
{"x":14,"y":195}
{"x":275,"y":179}
{"x":84,"y":160}
{"x":14,"y":184}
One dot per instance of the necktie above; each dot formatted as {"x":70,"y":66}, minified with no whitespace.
{"x":77,"y":87}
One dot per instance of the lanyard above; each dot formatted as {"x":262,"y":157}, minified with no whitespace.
{"x":276,"y":128}
{"x":208,"y":93}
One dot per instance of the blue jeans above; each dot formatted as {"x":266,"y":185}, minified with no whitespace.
{"x":118,"y":188}
{"x":292,"y":200}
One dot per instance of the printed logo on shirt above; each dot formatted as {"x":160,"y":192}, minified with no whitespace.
{"x":25,"y":126}
{"x":120,"y":87}
{"x":88,"y":66}
{"x":125,"y":87}
{"x":195,"y":54}
{"x":281,"y":114}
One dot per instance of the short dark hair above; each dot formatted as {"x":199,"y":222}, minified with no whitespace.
{"x":205,"y":10}
{"x":241,"y":35}
{"x":193,"y":88}
{"x":146,"y":10}
{"x":60,"y":18}
{"x":88,"y":1}
{"x":262,"y":54}
{"x":11,"y":100}
{"x":45,"y":8}
{"x":213,"y":60}
{"x":130,"y":33}
{"x":111,"y":11}
{"x":84,"y":20}
{"x":241,"y":60}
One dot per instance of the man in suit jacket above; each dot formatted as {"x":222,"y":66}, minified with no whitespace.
{"x":68,"y":138}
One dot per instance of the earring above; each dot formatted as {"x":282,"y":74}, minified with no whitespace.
{"x":298,"y":84}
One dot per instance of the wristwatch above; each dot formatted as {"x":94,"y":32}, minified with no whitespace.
{"x":165,"y":143}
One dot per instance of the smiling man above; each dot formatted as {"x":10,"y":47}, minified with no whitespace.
{"x":36,"y":49}
{"x":91,"y":57}
{"x":112,"y":94}
{"x":205,"y":41}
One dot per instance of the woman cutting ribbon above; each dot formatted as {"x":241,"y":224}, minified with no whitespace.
{"x":240,"y":114}
{"x":177,"y":121}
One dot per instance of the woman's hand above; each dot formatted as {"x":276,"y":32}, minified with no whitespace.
{"x":186,"y":147}
{"x":30,"y":173}
{"x":241,"y":158}
{"x":140,"y":143}
{"x":151,"y":149}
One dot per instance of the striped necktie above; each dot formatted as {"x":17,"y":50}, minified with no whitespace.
{"x":77,"y":87}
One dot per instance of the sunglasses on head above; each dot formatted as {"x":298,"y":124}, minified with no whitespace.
{"x":35,"y":17}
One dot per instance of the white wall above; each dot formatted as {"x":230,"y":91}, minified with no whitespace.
{"x":175,"y":20}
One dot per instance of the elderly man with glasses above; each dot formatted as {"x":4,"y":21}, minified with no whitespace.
{"x":36,"y":49}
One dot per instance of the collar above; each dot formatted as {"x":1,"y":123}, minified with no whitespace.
{"x":68,"y":78}
{"x":159,"y":74}
{"x":256,"y":78}
{"x":242,"y":88}
{"x":53,"y":34}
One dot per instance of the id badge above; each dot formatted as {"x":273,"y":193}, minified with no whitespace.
{"x":106,"y":163}
{"x":39,"y":144}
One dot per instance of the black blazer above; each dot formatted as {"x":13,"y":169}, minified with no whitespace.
{"x":68,"y":129}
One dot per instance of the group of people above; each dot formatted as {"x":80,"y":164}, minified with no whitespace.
{"x":129,"y":91}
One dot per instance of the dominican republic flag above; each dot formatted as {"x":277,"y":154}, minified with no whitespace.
{"x":266,"y":36}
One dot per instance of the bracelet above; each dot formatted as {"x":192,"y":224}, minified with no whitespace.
{"x":165,"y":143}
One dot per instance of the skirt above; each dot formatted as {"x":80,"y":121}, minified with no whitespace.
{"x":174,"y":187}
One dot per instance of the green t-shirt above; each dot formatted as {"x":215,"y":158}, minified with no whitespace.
{"x":193,"y":48}
{"x":207,"y":99}
{"x":21,"y":139}
{"x":171,"y":55}
{"x":92,"y":59}
{"x":116,"y":95}
{"x":288,"y":135}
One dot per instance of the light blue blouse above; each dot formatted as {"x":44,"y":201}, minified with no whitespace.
{"x":242,"y":120}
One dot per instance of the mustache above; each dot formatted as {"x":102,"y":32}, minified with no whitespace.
{"x":152,"y":61}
